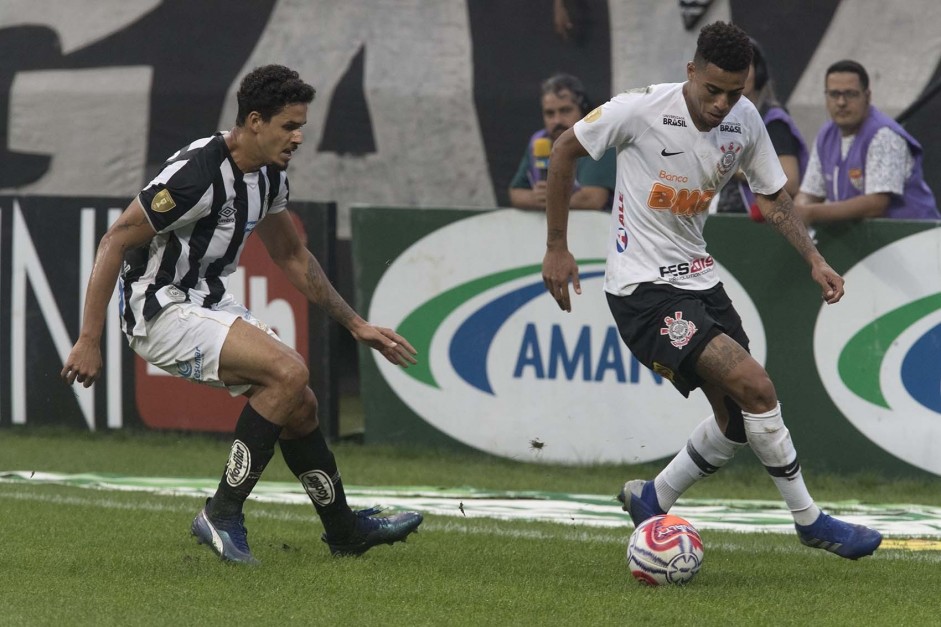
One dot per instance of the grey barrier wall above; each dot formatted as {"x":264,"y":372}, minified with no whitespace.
{"x":418,"y":103}
{"x":47,"y":246}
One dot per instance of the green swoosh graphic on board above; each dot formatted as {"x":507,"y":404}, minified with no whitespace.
{"x":420,"y":326}
{"x":861,"y":359}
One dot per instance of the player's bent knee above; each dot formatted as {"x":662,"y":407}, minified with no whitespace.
{"x":304,"y":419}
{"x":292,"y":376}
{"x":758,"y":394}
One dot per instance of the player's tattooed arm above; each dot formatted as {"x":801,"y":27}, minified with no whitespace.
{"x":556,"y":235}
{"x":280,"y":237}
{"x":320,"y":291}
{"x":390,"y":344}
{"x":778,"y":210}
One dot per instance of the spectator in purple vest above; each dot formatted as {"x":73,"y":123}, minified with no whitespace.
{"x":785,"y":137}
{"x":564,"y":103}
{"x":863,"y":163}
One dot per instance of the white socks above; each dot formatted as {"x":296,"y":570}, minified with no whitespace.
{"x":771,"y":442}
{"x":706,"y":451}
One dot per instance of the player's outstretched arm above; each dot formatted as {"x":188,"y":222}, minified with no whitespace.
{"x":305,"y":273}
{"x":558,"y":265}
{"x":390,"y":344}
{"x":778,"y":210}
{"x":131,"y":230}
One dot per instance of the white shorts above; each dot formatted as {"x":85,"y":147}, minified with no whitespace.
{"x":185,"y":340}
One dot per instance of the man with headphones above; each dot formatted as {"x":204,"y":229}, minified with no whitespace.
{"x":564,"y":102}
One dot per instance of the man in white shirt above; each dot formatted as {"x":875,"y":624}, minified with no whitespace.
{"x":863,"y":163}
{"x":677,"y":145}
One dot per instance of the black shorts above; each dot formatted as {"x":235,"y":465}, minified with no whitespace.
{"x":666,"y":328}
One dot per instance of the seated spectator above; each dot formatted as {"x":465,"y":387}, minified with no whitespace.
{"x":785,"y":137}
{"x":863,"y":163}
{"x":564,"y":102}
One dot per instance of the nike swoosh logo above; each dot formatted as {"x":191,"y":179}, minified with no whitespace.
{"x":664,"y":153}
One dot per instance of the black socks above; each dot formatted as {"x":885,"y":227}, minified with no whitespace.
{"x":313,"y":463}
{"x":308,"y":457}
{"x":251,"y":451}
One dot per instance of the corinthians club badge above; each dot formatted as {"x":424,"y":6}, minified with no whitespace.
{"x":729,"y":155}
{"x":679,"y":330}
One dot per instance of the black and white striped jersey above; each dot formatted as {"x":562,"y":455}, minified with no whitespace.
{"x":203,"y":209}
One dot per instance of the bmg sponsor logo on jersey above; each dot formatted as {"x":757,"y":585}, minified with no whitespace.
{"x":501,"y":365}
{"x":877,"y":353}
{"x":679,"y":201}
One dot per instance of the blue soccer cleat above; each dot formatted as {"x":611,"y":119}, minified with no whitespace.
{"x":843,"y":538}
{"x":639,"y":498}
{"x":371,"y":530}
{"x":227,"y":537}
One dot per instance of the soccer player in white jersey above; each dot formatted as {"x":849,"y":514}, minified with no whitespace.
{"x":178,"y":240}
{"x":677,"y":145}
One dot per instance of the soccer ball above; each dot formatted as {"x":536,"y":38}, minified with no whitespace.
{"x":663,"y":550}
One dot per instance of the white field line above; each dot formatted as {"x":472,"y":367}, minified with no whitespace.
{"x":564,"y":509}
{"x":478,"y":527}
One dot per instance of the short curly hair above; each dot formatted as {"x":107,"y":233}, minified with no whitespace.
{"x":268,"y":89}
{"x":725,"y":45}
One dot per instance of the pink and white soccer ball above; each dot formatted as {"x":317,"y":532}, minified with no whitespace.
{"x":664,"y":550}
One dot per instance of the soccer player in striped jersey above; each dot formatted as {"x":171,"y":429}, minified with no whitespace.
{"x":175,"y":245}
{"x":677,"y":145}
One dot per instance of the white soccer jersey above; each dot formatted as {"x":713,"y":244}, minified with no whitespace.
{"x":203,"y":209}
{"x":667,"y":172}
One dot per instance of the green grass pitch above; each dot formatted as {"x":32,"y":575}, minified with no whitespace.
{"x":72,"y":556}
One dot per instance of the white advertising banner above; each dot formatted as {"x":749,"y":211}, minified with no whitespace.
{"x":504,"y":370}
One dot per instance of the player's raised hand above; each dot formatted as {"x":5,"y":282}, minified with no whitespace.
{"x":558,"y":268}
{"x":393,"y":346}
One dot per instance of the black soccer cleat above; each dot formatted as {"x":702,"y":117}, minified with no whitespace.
{"x":371,"y":530}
